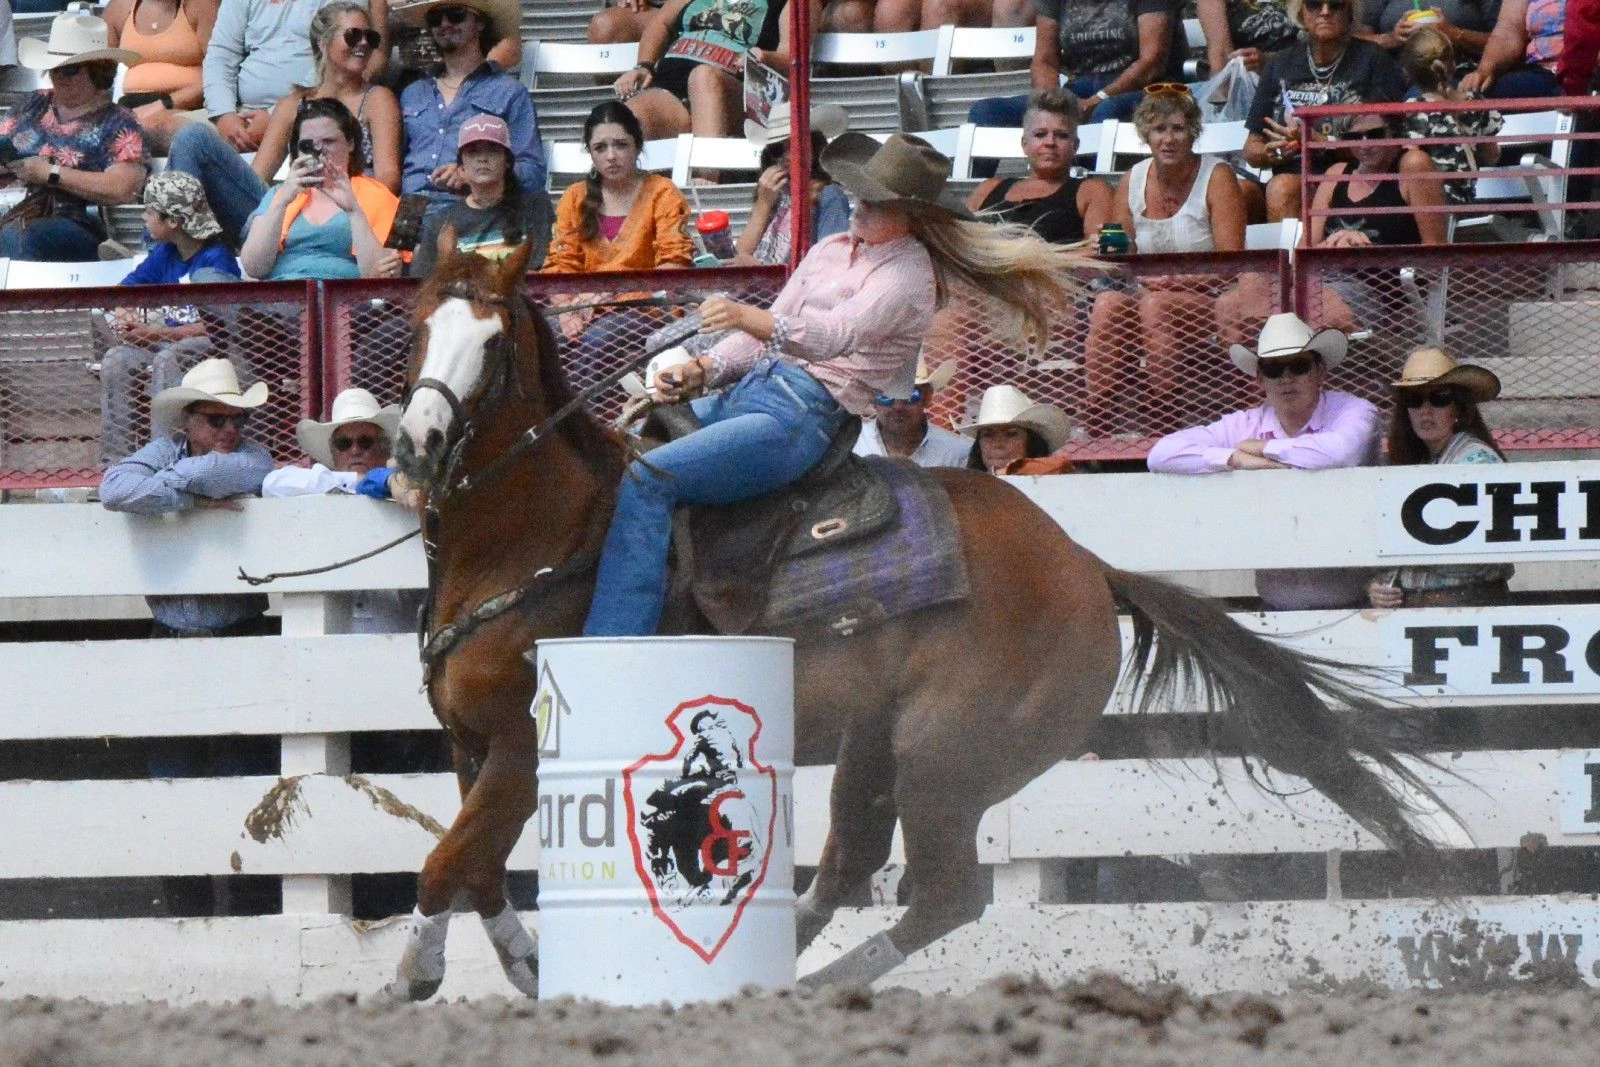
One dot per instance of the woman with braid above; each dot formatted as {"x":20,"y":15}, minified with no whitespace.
{"x":618,"y":218}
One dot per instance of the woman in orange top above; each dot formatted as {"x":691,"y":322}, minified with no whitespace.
{"x":618,"y":218}
{"x":170,"y":37}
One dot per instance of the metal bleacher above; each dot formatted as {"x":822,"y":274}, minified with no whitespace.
{"x":558,"y":20}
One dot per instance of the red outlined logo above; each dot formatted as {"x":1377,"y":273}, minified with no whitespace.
{"x":701,"y":819}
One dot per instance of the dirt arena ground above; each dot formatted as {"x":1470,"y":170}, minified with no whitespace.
{"x":1098,"y":1021}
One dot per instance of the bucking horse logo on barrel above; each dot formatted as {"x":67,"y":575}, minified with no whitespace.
{"x":701,"y":820}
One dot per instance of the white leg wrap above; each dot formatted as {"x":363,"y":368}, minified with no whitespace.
{"x":421,"y":969}
{"x":862,"y":965}
{"x":518,"y":952}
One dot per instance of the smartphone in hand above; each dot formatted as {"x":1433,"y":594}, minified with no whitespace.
{"x":406,"y":231}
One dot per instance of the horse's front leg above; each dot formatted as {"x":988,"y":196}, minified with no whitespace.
{"x":470,"y":860}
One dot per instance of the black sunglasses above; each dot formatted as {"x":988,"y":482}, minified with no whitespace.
{"x":1333,"y":6}
{"x":356,"y":444}
{"x":67,"y":70}
{"x":353,"y":37}
{"x":453,"y":15}
{"x":217,"y":422}
{"x":1437,"y":398}
{"x":1276,"y":368}
{"x":884,"y":400}
{"x":1377,"y":134}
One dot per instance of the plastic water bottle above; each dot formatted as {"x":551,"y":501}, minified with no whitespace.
{"x":716,"y":233}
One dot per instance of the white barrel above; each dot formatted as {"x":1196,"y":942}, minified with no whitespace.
{"x":666,"y":817}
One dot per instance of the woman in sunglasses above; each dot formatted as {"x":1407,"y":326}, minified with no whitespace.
{"x":1175,"y":201}
{"x":1356,"y":297}
{"x":343,"y":42}
{"x":1436,"y":420}
{"x":1331,"y":67}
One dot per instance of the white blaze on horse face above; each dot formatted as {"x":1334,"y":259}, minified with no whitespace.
{"x":456,"y":342}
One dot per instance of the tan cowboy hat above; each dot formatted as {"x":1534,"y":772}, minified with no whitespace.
{"x":936,"y":378}
{"x":904,"y":170}
{"x":210,"y":379}
{"x":75,"y":37}
{"x":504,"y":15}
{"x":830,"y":120}
{"x":1433,"y":366}
{"x":1286,"y":335}
{"x":349,"y":407}
{"x":1006,"y":405}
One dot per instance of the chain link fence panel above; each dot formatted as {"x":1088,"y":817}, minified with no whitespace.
{"x":78,"y":368}
{"x":1523,"y":316}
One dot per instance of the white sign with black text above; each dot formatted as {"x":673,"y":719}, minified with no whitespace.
{"x":1474,"y":510}
{"x":1579,"y":775}
{"x":1543,"y":651}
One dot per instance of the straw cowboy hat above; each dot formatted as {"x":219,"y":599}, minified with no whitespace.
{"x":1433,"y":366}
{"x":505,"y":16}
{"x":1006,"y":405}
{"x":936,"y":378}
{"x":212,"y":380}
{"x":349,"y":407}
{"x":75,"y":37}
{"x":830,"y":120}
{"x":1285,"y":335}
{"x":904,"y":170}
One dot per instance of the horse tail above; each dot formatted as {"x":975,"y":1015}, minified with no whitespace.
{"x":1273,"y":701}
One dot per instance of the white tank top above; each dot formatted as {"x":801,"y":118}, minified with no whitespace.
{"x":1187,"y":231}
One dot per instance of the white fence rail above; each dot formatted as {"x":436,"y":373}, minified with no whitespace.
{"x":314,"y":686}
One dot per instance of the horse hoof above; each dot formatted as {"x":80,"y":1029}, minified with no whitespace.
{"x":415,"y":990}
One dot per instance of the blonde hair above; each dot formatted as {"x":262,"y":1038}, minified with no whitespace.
{"x":1157,"y":106}
{"x":1008,"y":262}
{"x":1429,"y":60}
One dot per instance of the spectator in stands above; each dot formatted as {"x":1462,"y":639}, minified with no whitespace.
{"x":1055,"y":204}
{"x":690,"y":75}
{"x":186,"y":247}
{"x":1465,"y":23}
{"x":77,"y":148}
{"x":1334,"y":67}
{"x":1357,"y":297}
{"x":1016,"y":436}
{"x":501,"y":45}
{"x":767,"y":235}
{"x":327,"y":219}
{"x":1429,"y":61}
{"x":1301,"y":425}
{"x":170,"y":37}
{"x":1436,"y":420}
{"x":343,"y":39}
{"x":199,"y":459}
{"x":902,"y":16}
{"x":618,"y":218}
{"x":497,"y":213}
{"x":1249,"y":29}
{"x":1108,"y":49}
{"x":900,"y":426}
{"x":1520,"y":56}
{"x":622,"y":21}
{"x":1175,"y":201}
{"x":349,"y":454}
{"x":435,"y":108}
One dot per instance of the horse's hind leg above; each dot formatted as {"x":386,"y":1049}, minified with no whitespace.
{"x":860,"y":830}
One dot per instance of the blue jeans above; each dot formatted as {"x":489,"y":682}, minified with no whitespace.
{"x":232,"y":188}
{"x":1523,"y":81}
{"x":49,"y":240}
{"x":1007,"y":111}
{"x":765,"y":432}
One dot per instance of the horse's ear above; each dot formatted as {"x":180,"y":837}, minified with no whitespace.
{"x":514,"y":266}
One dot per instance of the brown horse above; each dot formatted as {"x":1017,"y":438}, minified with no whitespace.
{"x":930,"y":719}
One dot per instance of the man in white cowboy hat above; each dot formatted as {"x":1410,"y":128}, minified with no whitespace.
{"x":349,"y":453}
{"x":1016,"y":436}
{"x":1301,"y":425}
{"x":435,"y":108}
{"x":199,"y":459}
{"x":899,"y":425}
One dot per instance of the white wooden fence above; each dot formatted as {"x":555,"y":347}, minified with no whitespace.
{"x":314,"y":685}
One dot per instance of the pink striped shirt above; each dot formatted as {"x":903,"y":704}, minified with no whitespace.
{"x":855,"y":313}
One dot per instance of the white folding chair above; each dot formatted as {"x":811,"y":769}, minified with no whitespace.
{"x":1002,"y":142}
{"x":25,"y":274}
{"x":713,"y":153}
{"x":1529,"y":128}
{"x":569,"y":158}
{"x":581,"y":60}
{"x":1266,"y":236}
{"x":973,"y":42}
{"x":875,"y":49}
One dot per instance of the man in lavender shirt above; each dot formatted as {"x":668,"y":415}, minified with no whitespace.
{"x":1302,"y":425}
